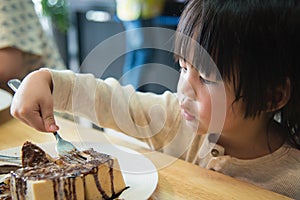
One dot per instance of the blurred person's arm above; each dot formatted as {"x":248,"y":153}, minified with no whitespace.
{"x":14,"y":63}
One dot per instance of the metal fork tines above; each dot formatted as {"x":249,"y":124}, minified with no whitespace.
{"x":67,"y":149}
{"x":11,"y":159}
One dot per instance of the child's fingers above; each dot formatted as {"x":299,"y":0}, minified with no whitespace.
{"x":34,"y":118}
{"x":47,"y":114}
{"x":49,"y":123}
{"x":30,"y":118}
{"x":35,"y":121}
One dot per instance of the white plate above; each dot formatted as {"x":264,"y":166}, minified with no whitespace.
{"x":139,"y":172}
{"x":5,"y":99}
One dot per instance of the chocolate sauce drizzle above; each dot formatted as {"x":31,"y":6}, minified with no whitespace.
{"x":55,"y":186}
{"x":98,"y":184}
{"x":65,"y":175}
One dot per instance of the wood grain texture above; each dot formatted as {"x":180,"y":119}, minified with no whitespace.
{"x":177,"y":179}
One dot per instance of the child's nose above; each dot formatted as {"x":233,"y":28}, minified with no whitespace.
{"x":185,"y":87}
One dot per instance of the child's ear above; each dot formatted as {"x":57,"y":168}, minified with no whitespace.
{"x":282,"y":96}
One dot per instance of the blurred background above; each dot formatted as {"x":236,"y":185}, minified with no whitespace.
{"x":63,"y":34}
{"x":78,"y":26}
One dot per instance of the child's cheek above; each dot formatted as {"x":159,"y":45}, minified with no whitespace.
{"x":204,"y":115}
{"x":212,"y":113}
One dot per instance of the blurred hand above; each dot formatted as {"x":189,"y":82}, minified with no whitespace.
{"x":33,"y":102}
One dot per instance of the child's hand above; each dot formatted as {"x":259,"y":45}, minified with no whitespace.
{"x":33,"y":102}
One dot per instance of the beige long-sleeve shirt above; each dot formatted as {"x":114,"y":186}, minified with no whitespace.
{"x":156,"y":119}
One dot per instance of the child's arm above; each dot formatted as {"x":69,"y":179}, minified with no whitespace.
{"x":152,"y":118}
{"x":149,"y":117}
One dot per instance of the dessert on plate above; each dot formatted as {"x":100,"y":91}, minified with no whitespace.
{"x":92,"y":175}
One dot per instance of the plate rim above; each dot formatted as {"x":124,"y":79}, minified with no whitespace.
{"x":6,"y":96}
{"x":153,"y":174}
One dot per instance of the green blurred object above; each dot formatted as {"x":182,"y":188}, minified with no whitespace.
{"x":58,"y":12}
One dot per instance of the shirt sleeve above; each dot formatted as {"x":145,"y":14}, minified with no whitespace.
{"x":152,"y":118}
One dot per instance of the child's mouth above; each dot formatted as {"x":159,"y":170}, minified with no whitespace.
{"x":187,"y":115}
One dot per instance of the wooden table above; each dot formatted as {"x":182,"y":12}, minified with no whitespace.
{"x":178,"y":180}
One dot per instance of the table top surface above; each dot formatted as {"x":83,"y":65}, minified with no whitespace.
{"x":176,"y":180}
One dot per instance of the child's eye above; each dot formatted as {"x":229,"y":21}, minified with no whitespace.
{"x":205,"y":81}
{"x":182,"y":69}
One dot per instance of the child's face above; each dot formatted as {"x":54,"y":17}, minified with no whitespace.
{"x":204,"y":98}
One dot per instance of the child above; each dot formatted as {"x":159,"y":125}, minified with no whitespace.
{"x":254,"y":45}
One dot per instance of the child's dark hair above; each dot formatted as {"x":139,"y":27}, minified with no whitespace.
{"x":254,"y":44}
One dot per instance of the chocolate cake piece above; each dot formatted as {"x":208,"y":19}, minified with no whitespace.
{"x":98,"y":176}
{"x":32,"y":155}
{"x":4,"y":187}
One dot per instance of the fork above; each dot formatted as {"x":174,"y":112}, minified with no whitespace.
{"x":11,"y":159}
{"x":63,"y":147}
